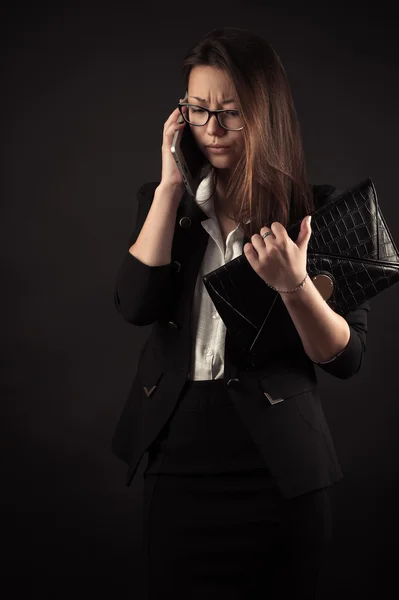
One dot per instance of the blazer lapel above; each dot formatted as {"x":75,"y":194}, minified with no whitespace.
{"x":189,"y":209}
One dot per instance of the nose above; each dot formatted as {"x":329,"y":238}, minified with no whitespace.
{"x":213,"y":127}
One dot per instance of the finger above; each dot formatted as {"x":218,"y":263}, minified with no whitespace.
{"x":171,"y":127}
{"x":249,"y":248}
{"x":258,"y":243}
{"x":265,"y":229}
{"x":279,"y":231}
{"x":174,"y":127}
{"x":266,"y":240}
{"x":172,"y":117}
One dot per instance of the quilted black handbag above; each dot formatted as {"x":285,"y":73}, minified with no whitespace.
{"x":351,"y":257}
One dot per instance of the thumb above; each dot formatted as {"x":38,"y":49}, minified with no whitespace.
{"x":305,"y":231}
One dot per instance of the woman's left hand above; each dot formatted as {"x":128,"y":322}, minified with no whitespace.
{"x":277,"y":259}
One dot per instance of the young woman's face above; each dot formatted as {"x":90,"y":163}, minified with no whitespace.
{"x":210,"y":87}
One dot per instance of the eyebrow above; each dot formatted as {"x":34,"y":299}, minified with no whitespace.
{"x":203,"y":100}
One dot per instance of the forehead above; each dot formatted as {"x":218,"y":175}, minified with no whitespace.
{"x":210,"y":83}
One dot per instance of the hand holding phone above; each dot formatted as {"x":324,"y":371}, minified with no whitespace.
{"x":189,"y":159}
{"x":170,"y":173}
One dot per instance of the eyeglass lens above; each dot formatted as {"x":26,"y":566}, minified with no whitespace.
{"x":231,"y":119}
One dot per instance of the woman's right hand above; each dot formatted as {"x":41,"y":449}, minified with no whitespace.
{"x":171,"y":175}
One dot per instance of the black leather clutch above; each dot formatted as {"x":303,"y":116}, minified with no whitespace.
{"x":351,"y":257}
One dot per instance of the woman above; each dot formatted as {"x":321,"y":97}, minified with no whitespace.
{"x":240,"y":458}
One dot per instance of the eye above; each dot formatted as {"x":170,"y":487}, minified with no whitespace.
{"x":232,"y":113}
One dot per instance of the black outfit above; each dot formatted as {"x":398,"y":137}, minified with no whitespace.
{"x":215,"y":522}
{"x":236,"y":488}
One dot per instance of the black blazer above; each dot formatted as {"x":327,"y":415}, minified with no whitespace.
{"x":292,"y":435}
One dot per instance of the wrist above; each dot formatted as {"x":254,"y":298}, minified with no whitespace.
{"x":301,"y":295}
{"x":293,"y":290}
{"x":171,"y":190}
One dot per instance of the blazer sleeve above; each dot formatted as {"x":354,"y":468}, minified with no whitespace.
{"x":349,"y":360}
{"x":141,"y":291}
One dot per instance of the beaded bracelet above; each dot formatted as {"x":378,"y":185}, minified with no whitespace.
{"x":290,"y":291}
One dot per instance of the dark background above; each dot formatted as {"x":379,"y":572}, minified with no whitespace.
{"x":86,"y":91}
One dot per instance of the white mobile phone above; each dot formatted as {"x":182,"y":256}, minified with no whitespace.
{"x":189,"y":159}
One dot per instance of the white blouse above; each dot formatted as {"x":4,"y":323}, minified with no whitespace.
{"x":208,"y":329}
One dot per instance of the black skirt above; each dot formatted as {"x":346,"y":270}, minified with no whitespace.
{"x":215,"y":522}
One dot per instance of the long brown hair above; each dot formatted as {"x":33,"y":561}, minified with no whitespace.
{"x":271,"y":173}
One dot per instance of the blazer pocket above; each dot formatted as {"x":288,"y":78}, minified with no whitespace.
{"x":281,"y":385}
{"x":309,"y":407}
{"x":301,"y":393}
{"x":149,"y":383}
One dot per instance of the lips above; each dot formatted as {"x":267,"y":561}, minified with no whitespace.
{"x":218,"y":149}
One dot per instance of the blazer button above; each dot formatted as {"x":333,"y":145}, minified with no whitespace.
{"x":176,"y":265}
{"x":173,"y":325}
{"x":185,"y":222}
{"x":232,"y":382}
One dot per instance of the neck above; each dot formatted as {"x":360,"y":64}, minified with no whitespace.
{"x":221,"y":185}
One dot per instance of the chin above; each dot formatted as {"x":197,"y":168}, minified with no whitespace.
{"x":220,"y":160}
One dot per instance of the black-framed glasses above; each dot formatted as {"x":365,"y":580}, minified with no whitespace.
{"x":199,"y":116}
